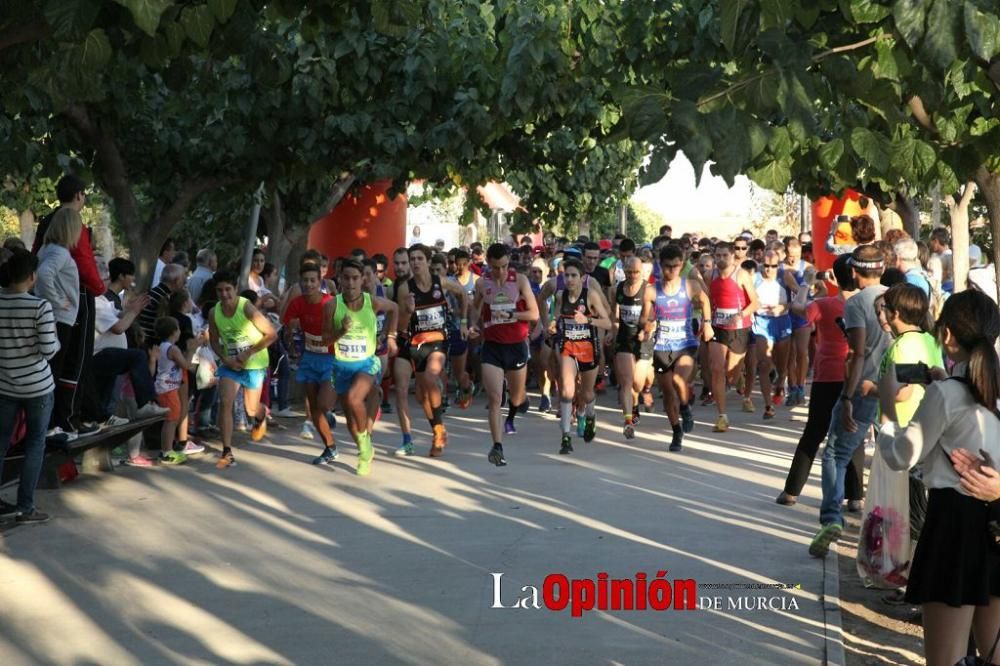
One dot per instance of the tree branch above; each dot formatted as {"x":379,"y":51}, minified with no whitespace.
{"x":191,"y":190}
{"x":340,"y":188}
{"x":22,"y":34}
{"x":921,"y":115}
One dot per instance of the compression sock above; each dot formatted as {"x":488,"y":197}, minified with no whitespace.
{"x":566,"y":415}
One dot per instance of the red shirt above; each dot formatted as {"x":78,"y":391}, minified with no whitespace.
{"x":310,"y":316}
{"x":830,"y":362}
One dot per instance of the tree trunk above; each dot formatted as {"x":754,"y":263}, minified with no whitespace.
{"x":989,"y":186}
{"x":27,"y":220}
{"x":903,"y":206}
{"x":298,"y":243}
{"x":959,"y":213}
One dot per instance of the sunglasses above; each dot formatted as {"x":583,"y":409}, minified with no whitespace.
{"x":741,"y":248}
{"x":770,"y":265}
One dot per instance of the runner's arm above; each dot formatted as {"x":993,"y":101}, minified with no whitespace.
{"x":476,"y":307}
{"x":263,"y":324}
{"x":707,"y":332}
{"x":213,"y":338}
{"x":392,"y":313}
{"x":602,"y":320}
{"x":754,"y":303}
{"x":403,"y":302}
{"x":524,"y":287}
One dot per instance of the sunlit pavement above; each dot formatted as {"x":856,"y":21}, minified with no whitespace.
{"x":278,"y":561}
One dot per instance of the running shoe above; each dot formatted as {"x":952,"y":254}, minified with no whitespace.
{"x":115,"y":421}
{"x":192,"y":448}
{"x":545,"y":404}
{"x":687,"y":419}
{"x":285,"y":413}
{"x":778,"y":397}
{"x":791,"y":399}
{"x":748,"y":405}
{"x":149,"y":410}
{"x":308,"y":431}
{"x":508,"y":427}
{"x":635,"y":415}
{"x":439,"y":442}
{"x":172,"y":458}
{"x":226,"y":460}
{"x":328,"y":456}
{"x":768,"y":412}
{"x":708,"y":399}
{"x":581,"y":426}
{"x":495,"y":456}
{"x":802,"y":395}
{"x":366,"y":452}
{"x":259,"y":430}
{"x":387,"y":407}
{"x":675,"y":442}
{"x":464,"y":398}
{"x":722,"y":424}
{"x":589,"y":428}
{"x":31,"y":517}
{"x":137,"y":461}
{"x":566,"y":446}
{"x":629,"y":431}
{"x":827,"y":535}
{"x":404,"y":450}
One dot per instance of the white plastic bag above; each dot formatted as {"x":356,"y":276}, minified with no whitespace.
{"x":884,"y":543}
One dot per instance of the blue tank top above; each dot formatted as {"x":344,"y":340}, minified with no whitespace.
{"x":673,"y":319}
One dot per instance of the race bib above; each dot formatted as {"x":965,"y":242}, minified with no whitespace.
{"x":575,"y":331}
{"x":502,"y":313}
{"x":722,"y":314}
{"x":431,"y":319}
{"x":353,"y":349}
{"x":314,"y":343}
{"x":379,"y":324}
{"x":630,"y":314}
{"x":671,"y":330}
{"x":236,"y":347}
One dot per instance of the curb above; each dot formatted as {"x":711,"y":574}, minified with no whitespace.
{"x":833,"y":629}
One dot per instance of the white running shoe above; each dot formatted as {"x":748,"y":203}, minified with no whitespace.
{"x":308,"y":431}
{"x":285,"y":413}
{"x":150,"y":409}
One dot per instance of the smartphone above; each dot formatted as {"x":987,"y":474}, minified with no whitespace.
{"x":913,"y":373}
{"x":841,"y":325}
{"x":987,"y":458}
{"x":823,"y":276}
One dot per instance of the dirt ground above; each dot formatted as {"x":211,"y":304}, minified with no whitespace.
{"x":874,"y":632}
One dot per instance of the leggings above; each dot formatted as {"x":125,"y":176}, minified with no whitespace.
{"x":822,"y":399}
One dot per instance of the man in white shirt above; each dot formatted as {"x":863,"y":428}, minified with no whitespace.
{"x":208,"y":263}
{"x":166,"y":256}
{"x":112,"y":355}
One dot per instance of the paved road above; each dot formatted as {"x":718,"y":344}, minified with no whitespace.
{"x":279,"y":562}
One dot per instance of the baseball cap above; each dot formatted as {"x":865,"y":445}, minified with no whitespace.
{"x":604,"y":244}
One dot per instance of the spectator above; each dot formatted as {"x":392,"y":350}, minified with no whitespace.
{"x":171,"y":279}
{"x":940,"y":263}
{"x":181,"y":259}
{"x":171,"y":373}
{"x":862,"y":229}
{"x":255,"y":279}
{"x":13,"y":243}
{"x":112,"y":356}
{"x":58,"y":282}
{"x":955,"y":575}
{"x":166,"y":257}
{"x":27,"y":342}
{"x":856,"y":410}
{"x":908,"y":261}
{"x":208,"y":263}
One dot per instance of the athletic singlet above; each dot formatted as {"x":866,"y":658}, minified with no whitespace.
{"x":673,"y":319}
{"x":569,"y":330}
{"x":629,"y":310}
{"x":769,"y":293}
{"x":359,"y":343}
{"x":403,"y":335}
{"x":499,"y":305}
{"x":728,"y":299}
{"x":237,"y":334}
{"x":430,"y":316}
{"x":469,"y":287}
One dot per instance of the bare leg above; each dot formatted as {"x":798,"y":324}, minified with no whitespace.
{"x":493,"y":382}
{"x":946,"y":633}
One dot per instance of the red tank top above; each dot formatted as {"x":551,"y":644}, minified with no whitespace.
{"x":499,"y":303}
{"x":728,"y":299}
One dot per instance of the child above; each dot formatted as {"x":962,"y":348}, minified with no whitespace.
{"x":171,"y":373}
{"x":179,"y":307}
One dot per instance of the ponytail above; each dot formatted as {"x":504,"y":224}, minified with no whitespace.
{"x":984,"y":374}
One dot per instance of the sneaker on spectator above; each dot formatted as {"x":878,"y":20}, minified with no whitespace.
{"x":137,"y":461}
{"x":192,"y":448}
{"x":172,"y":458}
{"x":32,"y":517}
{"x":115,"y":421}
{"x":285,"y":413}
{"x":7,"y":509}
{"x":87,"y":429}
{"x":57,"y":434}
{"x":149,"y":410}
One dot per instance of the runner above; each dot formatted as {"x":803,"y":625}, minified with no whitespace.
{"x":376,"y":288}
{"x":467,"y":279}
{"x":676,"y":342}
{"x":580,"y":311}
{"x":353,"y":330}
{"x":304,"y":318}
{"x":458,"y":346}
{"x":240,"y":335}
{"x":402,"y":368}
{"x":425,"y":307}
{"x":793,"y":274}
{"x":733,"y":301}
{"x":502,"y":309}
{"x":772,"y":329}
{"x":633,"y":342}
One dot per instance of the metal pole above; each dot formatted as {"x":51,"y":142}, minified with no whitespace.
{"x":623,"y":219}
{"x":251,"y":239}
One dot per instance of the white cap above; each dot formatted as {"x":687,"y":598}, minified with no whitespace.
{"x":975,"y":255}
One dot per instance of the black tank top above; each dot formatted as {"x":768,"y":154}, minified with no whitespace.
{"x":430,"y":312}
{"x":629,"y":310}
{"x":568,"y":328}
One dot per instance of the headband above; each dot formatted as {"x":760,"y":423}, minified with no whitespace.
{"x":867,"y":265}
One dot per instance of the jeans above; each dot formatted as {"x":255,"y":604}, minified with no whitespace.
{"x":840,"y":446}
{"x":822,"y":397}
{"x":109,"y":363}
{"x":37,"y":411}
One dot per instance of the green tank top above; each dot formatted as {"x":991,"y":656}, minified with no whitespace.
{"x":360,"y":342}
{"x":238,"y":333}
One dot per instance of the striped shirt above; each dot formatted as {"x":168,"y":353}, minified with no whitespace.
{"x":27,"y":342}
{"x":158,"y":298}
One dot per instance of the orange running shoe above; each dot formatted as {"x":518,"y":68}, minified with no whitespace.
{"x":259,"y":430}
{"x":440,"y":441}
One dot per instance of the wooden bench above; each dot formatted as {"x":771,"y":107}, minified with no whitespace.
{"x":94,"y":451}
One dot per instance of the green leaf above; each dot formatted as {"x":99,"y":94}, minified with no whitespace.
{"x":729,"y":17}
{"x":757,"y":139}
{"x":775,"y":176}
{"x":644,"y":112}
{"x":776,"y":13}
{"x":146,"y":13}
{"x":946,"y":176}
{"x":830,"y":154}
{"x":71,"y":17}
{"x":781,"y":143}
{"x":806,"y":14}
{"x":982,"y":31}
{"x":910,"y":17}
{"x":868,"y":146}
{"x":983,"y":126}
{"x":198,"y":24}
{"x":886,"y":66}
{"x":222,"y":9}
{"x":940,"y":41}
{"x":864,"y":11}
{"x":95,"y":51}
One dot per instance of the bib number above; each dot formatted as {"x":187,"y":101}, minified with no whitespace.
{"x":352,"y":350}
{"x":630,"y":314}
{"x":502,"y":313}
{"x":237,"y":347}
{"x":430,"y":319}
{"x":670,"y":330}
{"x":722,"y":315}
{"x":575,"y":331}
{"x":314,"y":343}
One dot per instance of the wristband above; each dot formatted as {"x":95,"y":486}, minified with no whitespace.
{"x":392,"y":335}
